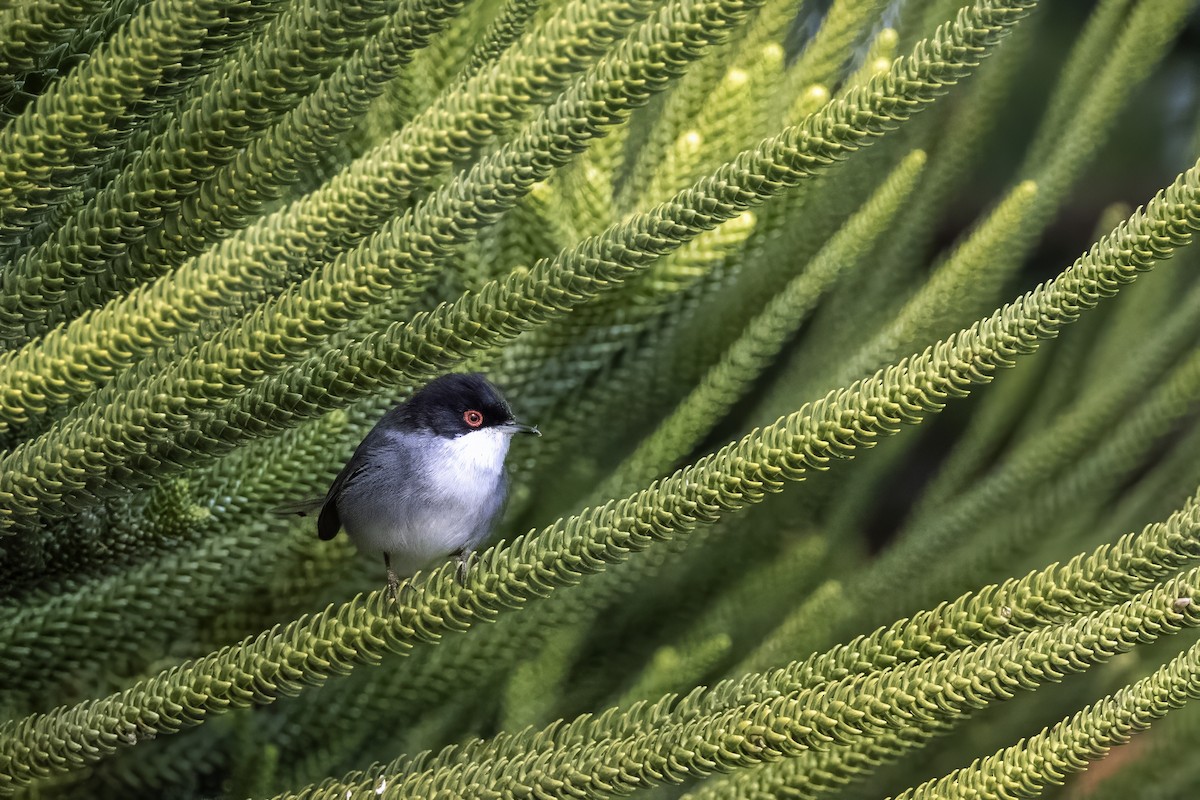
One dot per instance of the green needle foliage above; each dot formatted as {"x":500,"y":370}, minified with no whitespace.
{"x":747,"y":263}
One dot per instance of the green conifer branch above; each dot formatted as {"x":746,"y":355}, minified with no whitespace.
{"x":506,"y":29}
{"x":1142,"y":44}
{"x":959,"y":150}
{"x":824,"y":58}
{"x":238,"y":191}
{"x":1000,"y":411}
{"x":29,"y":30}
{"x":229,"y":538}
{"x":438,"y":677}
{"x":231,"y":544}
{"x":16,"y":91}
{"x":817,"y":773}
{"x":649,"y":746}
{"x":1172,"y":476}
{"x":508,"y":576}
{"x":394,"y":349}
{"x":535,"y":686}
{"x":733,"y":116}
{"x":225,"y":110}
{"x":68,"y":363}
{"x":71,"y":473}
{"x":660,"y":133}
{"x":677,"y":668}
{"x":1144,"y":41}
{"x":435,"y":68}
{"x":1031,"y":765}
{"x":635,"y":320}
{"x":47,"y":150}
{"x":1114,"y":457}
{"x":106,"y":585}
{"x":1092,"y":50}
{"x":47,"y":640}
{"x":765,"y":335}
{"x":404,"y":252}
{"x":879,"y":57}
{"x":1046,"y":597}
{"x":371,"y":701}
{"x":532,"y":72}
{"x":838,"y":335}
{"x":1064,"y":442}
{"x":1138,"y":319}
{"x":770,"y":25}
{"x":656,"y":133}
{"x":959,"y":289}
{"x":1149,"y":35}
{"x":246,"y":39}
{"x":1164,"y":768}
{"x":1082,"y":580}
{"x":232,"y":183}
{"x":740,"y":611}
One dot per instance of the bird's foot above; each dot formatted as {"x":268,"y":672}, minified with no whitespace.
{"x":393,"y":587}
{"x":465,"y":560}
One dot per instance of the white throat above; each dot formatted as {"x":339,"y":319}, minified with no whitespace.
{"x":480,"y":451}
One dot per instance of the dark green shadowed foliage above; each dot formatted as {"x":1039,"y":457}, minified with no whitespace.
{"x":857,"y":479}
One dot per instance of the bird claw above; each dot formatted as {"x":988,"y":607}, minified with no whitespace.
{"x":392,"y":593}
{"x":465,"y":560}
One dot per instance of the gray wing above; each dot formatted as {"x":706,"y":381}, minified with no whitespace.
{"x":329,"y":522}
{"x":373,"y":456}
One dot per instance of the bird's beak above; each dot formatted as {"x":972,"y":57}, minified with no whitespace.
{"x":516,"y":427}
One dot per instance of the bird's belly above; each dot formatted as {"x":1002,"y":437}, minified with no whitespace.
{"x":418,"y":530}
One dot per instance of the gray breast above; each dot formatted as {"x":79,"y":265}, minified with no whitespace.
{"x":421,"y":498}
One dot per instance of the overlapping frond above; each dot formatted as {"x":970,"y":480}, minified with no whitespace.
{"x":232,"y":234}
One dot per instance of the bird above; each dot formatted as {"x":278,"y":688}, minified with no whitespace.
{"x":428,"y":481}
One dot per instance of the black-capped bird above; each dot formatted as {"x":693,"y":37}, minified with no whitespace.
{"x":428,"y":481}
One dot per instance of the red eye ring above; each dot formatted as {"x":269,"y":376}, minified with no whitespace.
{"x":473,"y":417}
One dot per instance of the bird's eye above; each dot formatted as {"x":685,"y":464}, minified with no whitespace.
{"x":473,"y":418}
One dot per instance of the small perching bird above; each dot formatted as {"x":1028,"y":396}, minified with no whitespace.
{"x":428,"y":481}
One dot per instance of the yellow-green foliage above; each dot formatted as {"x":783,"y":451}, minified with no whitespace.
{"x":702,"y":243}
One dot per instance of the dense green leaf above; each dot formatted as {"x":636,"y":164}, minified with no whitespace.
{"x":790,"y":290}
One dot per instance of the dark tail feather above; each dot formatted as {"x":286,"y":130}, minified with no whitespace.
{"x":302,"y":508}
{"x":329,"y":523}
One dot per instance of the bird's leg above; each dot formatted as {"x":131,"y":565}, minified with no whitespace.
{"x":393,"y":582}
{"x":465,"y":559}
